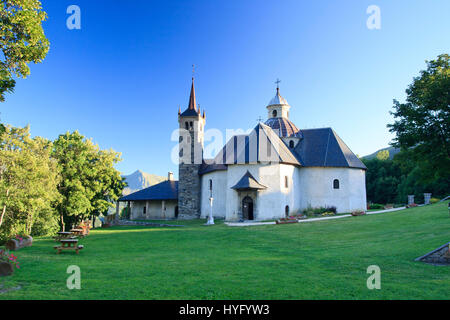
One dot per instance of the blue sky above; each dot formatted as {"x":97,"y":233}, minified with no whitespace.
{"x":121,"y":78}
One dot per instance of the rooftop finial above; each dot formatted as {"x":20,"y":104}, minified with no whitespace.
{"x":278,"y":84}
{"x":193,"y":71}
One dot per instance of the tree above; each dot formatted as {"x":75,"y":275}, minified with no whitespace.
{"x":422,"y":124}
{"x":383,"y":155}
{"x":22,"y":40}
{"x":90,"y":183}
{"x":28,"y":180}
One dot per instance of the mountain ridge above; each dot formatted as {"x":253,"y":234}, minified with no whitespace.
{"x":139,"y":180}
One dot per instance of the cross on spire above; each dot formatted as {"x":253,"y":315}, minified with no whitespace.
{"x":193,"y":71}
{"x":278,"y":83}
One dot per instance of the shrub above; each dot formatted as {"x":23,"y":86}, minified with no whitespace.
{"x":376,"y":206}
{"x":434,"y":200}
{"x":313,"y":212}
{"x":327,"y":214}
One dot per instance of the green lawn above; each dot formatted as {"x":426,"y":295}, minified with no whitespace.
{"x":315,"y":260}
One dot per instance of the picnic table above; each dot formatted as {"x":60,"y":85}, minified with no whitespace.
{"x":63,"y":235}
{"x":68,"y":244}
{"x":78,"y":232}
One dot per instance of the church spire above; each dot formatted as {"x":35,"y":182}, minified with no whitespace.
{"x":192,"y":103}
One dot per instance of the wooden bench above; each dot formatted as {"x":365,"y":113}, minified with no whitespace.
{"x":60,"y":248}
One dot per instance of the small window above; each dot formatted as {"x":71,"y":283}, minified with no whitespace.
{"x":191,"y":124}
{"x":274,"y":113}
{"x":291,"y":144}
{"x":336,"y":184}
{"x":286,"y":211}
{"x":181,"y":138}
{"x":186,"y":125}
{"x":286,"y":182}
{"x":145,"y":209}
{"x":181,"y":152}
{"x":210,"y":184}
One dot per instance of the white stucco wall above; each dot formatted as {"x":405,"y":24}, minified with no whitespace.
{"x":269,"y":203}
{"x":219,"y":179}
{"x":307,"y":187}
{"x":316,"y":188}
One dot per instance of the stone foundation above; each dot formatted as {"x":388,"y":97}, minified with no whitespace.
{"x":439,"y":256}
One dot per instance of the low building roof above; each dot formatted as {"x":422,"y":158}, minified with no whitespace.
{"x":166,"y":190}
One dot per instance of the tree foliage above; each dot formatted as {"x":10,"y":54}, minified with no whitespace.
{"x":422,"y":123}
{"x":28,"y":180}
{"x":22,"y":40}
{"x":90,"y":183}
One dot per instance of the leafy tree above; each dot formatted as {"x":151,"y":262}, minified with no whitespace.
{"x":382,"y":180}
{"x":22,"y":40}
{"x":383,"y":155}
{"x":28,"y":180}
{"x":422,"y":124}
{"x":90,"y":183}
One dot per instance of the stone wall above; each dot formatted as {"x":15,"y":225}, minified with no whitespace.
{"x":439,"y":256}
{"x":188,"y":191}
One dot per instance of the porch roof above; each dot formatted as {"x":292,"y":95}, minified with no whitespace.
{"x":248,"y":182}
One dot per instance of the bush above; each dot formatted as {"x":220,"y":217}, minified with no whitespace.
{"x":313,"y":212}
{"x":434,"y":200}
{"x":376,"y":206}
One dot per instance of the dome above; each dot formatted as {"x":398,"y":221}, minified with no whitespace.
{"x":283,"y":127}
{"x":278,"y":100}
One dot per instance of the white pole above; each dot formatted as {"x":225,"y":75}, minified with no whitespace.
{"x":210,"y":218}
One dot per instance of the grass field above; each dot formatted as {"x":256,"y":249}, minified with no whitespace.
{"x":316,"y":260}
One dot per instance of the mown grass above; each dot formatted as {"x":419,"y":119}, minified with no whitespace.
{"x":316,"y":260}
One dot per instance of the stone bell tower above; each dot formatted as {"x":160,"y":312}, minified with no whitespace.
{"x":191,"y":124}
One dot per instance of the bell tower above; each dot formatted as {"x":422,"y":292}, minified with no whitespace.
{"x":191,"y":127}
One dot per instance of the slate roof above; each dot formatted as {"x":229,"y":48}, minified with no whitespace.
{"x":324,"y":148}
{"x":166,"y":190}
{"x":210,"y":166}
{"x":320,"y":147}
{"x":248,"y":182}
{"x":262,"y":144}
{"x":192,"y":106}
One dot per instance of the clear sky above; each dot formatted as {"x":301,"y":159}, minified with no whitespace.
{"x":121,"y":78}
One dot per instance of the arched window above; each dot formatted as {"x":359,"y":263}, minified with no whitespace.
{"x":286,"y":211}
{"x":145,"y":209}
{"x":291,"y":144}
{"x":210,"y":184}
{"x":336,"y":184}
{"x":274,"y":113}
{"x":191,"y":124}
{"x":286,"y":182}
{"x":181,"y":152}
